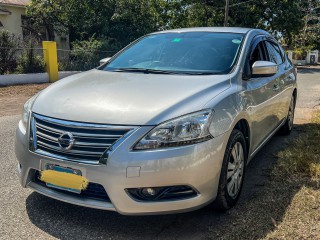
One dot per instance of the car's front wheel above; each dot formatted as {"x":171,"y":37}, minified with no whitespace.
{"x":232,"y":171}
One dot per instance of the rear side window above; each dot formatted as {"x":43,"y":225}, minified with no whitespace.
{"x":274,"y":53}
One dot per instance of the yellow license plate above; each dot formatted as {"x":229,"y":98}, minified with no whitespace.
{"x":62,"y":178}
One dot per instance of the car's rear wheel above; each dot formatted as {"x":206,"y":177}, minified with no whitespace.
{"x":288,"y":125}
{"x":232,"y":171}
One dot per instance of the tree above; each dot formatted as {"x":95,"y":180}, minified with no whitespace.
{"x":309,"y":36}
{"x":118,"y":22}
{"x":122,"y":20}
{"x":81,"y":19}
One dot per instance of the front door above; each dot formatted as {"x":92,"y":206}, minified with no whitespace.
{"x":262,"y":97}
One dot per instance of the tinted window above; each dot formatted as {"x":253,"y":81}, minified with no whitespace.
{"x":274,"y":53}
{"x":258,"y":54}
{"x":189,"y":52}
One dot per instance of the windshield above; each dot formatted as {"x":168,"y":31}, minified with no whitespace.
{"x":191,"y":52}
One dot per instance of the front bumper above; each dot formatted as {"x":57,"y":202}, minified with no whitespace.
{"x":197,"y":166}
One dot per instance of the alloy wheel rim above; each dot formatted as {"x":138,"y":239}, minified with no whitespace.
{"x":235,"y":170}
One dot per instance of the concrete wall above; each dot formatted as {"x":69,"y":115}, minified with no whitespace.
{"x":17,"y":79}
{"x":315,"y":54}
{"x":290,"y":55}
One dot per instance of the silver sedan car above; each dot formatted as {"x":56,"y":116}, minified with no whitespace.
{"x":167,"y":125}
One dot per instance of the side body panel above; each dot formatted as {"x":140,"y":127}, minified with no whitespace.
{"x":256,"y":101}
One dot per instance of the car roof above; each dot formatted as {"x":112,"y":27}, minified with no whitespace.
{"x":213,"y":29}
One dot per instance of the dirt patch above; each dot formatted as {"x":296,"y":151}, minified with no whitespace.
{"x":12,"y":98}
{"x":303,"y":115}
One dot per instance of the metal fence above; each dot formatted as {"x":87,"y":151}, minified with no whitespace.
{"x":31,"y":60}
{"x":21,"y":60}
{"x":80,"y":60}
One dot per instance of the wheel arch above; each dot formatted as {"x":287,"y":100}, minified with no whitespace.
{"x":243,"y":126}
{"x":295,"y":94}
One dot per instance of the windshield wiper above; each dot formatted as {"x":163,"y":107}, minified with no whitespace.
{"x":157,"y":71}
{"x":199,"y":73}
{"x":143,"y":70}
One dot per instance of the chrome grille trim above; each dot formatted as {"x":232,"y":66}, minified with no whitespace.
{"x":91,"y":140}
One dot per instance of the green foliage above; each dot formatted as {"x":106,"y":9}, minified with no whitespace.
{"x":301,"y":52}
{"x":11,"y":58}
{"x":118,"y":22}
{"x":84,"y":55}
{"x":9,"y":44}
{"x":309,"y":34}
{"x":29,"y":61}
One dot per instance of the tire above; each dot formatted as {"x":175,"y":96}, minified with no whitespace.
{"x":288,"y":125}
{"x":232,"y":170}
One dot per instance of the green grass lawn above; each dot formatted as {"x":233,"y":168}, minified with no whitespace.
{"x":298,"y":166}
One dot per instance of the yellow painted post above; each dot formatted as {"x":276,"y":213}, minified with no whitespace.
{"x":51,"y":59}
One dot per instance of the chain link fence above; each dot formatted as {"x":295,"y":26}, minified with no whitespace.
{"x":21,"y":60}
{"x":80,"y":60}
{"x":31,"y":60}
{"x":19,"y":55}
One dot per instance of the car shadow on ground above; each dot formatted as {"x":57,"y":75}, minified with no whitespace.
{"x":259,"y":209}
{"x":308,"y":70}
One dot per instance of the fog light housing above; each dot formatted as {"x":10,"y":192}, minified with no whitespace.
{"x":148,"y":192}
{"x":161,"y":193}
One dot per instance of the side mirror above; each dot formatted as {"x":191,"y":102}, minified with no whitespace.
{"x":264,"y":68}
{"x":104,"y":60}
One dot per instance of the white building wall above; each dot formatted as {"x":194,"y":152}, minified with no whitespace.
{"x":315,"y":54}
{"x":12,"y":22}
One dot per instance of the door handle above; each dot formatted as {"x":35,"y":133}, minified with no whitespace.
{"x":276,"y":87}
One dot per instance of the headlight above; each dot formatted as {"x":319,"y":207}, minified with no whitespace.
{"x":26,"y":109}
{"x":185,"y":130}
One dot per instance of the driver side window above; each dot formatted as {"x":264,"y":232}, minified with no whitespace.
{"x":258,"y":54}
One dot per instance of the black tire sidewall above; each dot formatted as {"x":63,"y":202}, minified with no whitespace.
{"x":225,"y":201}
{"x":285,"y":129}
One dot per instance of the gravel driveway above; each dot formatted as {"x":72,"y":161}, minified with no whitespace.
{"x":27,"y":215}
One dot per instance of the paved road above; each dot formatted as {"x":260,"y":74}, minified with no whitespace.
{"x":28,"y":215}
{"x":309,"y":93}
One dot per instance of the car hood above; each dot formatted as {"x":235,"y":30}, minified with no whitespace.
{"x":127,"y":98}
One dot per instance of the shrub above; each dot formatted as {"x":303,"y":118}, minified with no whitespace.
{"x":9,"y":46}
{"x":301,"y":52}
{"x":29,"y":62}
{"x":84,"y":55}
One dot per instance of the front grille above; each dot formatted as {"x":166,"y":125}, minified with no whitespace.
{"x":93,"y":191}
{"x":90,"y":140}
